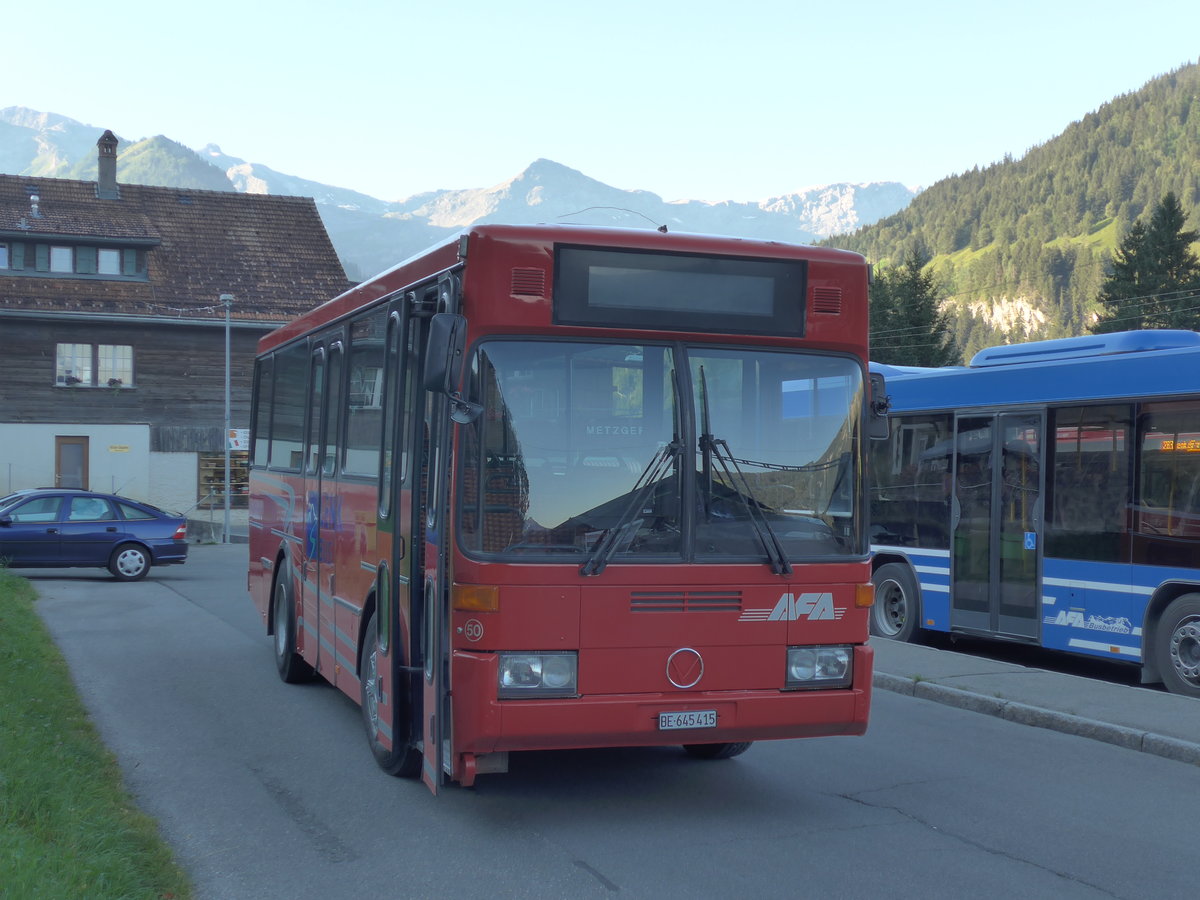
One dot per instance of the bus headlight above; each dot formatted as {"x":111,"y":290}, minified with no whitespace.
{"x":537,"y":675}
{"x":820,"y":667}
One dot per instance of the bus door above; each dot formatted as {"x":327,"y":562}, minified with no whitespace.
{"x":434,"y":459}
{"x":397,"y":664}
{"x":317,"y":582}
{"x":996,"y":518}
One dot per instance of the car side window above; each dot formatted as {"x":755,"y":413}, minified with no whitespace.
{"x":129,"y":511}
{"x":40,"y":509}
{"x":89,"y":509}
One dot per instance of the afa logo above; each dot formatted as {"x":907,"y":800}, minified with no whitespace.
{"x":1076,"y":619}
{"x":792,"y":607}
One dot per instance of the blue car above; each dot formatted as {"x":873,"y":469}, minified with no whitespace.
{"x":51,"y":528}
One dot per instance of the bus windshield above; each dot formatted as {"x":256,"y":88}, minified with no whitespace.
{"x":642,"y":452}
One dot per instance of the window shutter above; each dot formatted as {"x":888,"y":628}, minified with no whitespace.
{"x":128,"y":262}
{"x":16,"y":255}
{"x":42,"y":263}
{"x":85,"y":260}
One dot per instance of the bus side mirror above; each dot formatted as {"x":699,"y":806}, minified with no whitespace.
{"x":444,"y":352}
{"x":444,"y":363}
{"x":878,"y":405}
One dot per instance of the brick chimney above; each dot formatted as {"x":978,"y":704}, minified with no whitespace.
{"x":106,"y":182}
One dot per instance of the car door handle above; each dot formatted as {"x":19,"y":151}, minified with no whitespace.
{"x":111,"y":528}
{"x":51,"y":531}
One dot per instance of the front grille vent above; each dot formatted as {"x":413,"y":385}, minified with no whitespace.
{"x":529,"y":282}
{"x":685,"y":601}
{"x":827,"y":300}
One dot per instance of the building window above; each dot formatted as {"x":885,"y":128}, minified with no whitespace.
{"x":74,"y":364}
{"x":73,"y":261}
{"x":62,"y":259}
{"x":94,"y":365}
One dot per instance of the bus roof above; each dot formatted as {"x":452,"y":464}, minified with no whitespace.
{"x":1085,"y":345}
{"x":448,"y":252}
{"x":1124,"y":365}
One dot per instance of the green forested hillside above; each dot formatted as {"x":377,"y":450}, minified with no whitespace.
{"x":159,"y":160}
{"x":1021,"y":246}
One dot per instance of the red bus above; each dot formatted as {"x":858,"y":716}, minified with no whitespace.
{"x":557,"y":487}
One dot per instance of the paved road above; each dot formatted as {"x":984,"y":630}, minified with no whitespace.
{"x":268,"y":790}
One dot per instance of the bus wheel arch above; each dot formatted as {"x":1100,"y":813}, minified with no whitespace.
{"x":1176,"y":649}
{"x":896,"y":613}
{"x":367,"y":616}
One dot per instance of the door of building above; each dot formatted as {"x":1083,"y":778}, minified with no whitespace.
{"x":71,"y":462}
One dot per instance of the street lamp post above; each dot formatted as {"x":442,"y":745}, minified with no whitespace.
{"x":227,"y":300}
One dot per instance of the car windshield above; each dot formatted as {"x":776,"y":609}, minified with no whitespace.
{"x":587,"y":451}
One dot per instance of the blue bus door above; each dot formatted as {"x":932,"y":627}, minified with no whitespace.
{"x":996,"y":520}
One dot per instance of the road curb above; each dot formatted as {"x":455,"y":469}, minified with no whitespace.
{"x":1024,"y":714}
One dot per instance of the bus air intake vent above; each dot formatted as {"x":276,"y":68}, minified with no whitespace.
{"x":827,"y":300}
{"x":685,"y":601}
{"x":529,"y":282}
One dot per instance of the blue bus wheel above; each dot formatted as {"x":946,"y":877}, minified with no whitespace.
{"x":897,"y":608}
{"x":1177,"y":646}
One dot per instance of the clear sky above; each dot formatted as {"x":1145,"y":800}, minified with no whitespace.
{"x":689,"y":99}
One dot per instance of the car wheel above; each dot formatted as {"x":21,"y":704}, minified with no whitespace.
{"x":129,"y":562}
{"x":897,"y":609}
{"x":291,"y":665}
{"x":404,"y":758}
{"x":716,"y":751}
{"x":1177,"y":646}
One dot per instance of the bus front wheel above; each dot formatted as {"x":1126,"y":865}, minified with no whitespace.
{"x":1177,"y":646}
{"x":897,"y":609}
{"x":291,"y":665}
{"x":403,"y":758}
{"x":716,"y":751}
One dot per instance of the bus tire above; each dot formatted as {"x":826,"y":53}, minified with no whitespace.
{"x":716,"y":751}
{"x":291,"y":665}
{"x":403,"y":760}
{"x":1177,"y":646}
{"x":897,"y":607}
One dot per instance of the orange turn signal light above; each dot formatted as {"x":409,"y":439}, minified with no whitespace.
{"x":864,"y":595}
{"x":475,"y":597}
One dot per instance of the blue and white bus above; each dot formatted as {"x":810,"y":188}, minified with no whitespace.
{"x":1047,"y":493}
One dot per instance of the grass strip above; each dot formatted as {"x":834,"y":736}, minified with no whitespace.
{"x":68,"y":828}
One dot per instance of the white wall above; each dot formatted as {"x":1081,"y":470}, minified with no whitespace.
{"x":119,"y":461}
{"x":173,"y":480}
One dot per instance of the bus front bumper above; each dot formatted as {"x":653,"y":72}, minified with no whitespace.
{"x":484,"y":724}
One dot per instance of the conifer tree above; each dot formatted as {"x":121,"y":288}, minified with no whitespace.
{"x":1154,"y":278}
{"x":908,"y":326}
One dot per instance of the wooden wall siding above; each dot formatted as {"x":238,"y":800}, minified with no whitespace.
{"x":179,"y":377}
{"x":185,"y":438}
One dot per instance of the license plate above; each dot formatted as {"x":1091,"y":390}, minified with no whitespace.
{"x":692,"y":718}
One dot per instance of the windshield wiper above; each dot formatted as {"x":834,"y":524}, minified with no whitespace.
{"x":711,"y":448}
{"x":611,"y":538}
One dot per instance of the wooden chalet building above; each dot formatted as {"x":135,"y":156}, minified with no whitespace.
{"x":113,"y":327}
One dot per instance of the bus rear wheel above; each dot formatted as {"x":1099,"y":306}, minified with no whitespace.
{"x":716,"y":751}
{"x":404,"y":759}
{"x":1177,"y":646}
{"x":897,"y":609}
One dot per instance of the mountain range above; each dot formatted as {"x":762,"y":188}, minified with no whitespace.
{"x":371,"y":234}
